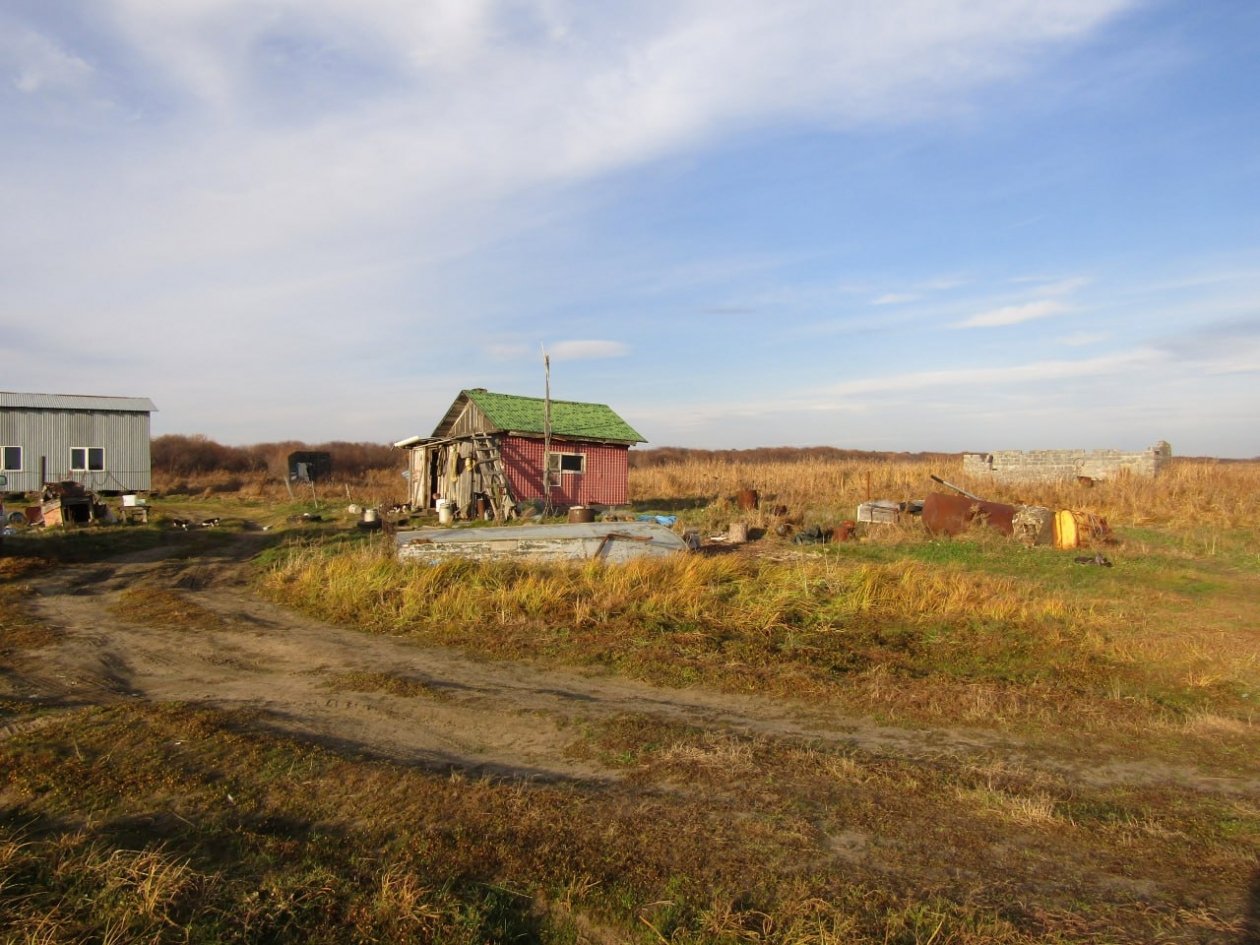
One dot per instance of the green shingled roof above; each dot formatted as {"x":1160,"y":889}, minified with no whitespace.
{"x":568,"y":418}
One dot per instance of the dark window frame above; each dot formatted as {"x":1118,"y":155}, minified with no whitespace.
{"x":564,"y":462}
{"x":83,"y":461}
{"x":5,"y":466}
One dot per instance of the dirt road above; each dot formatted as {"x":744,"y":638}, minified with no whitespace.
{"x":467,"y":714}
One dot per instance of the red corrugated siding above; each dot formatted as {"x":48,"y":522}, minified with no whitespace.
{"x":603,"y":483}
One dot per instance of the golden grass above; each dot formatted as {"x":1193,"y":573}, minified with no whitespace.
{"x":713,"y":837}
{"x":375,"y":487}
{"x":1188,"y":493}
{"x":908,"y":638}
{"x":682,"y":592}
{"x":739,"y":850}
{"x":19,"y":630}
{"x":391,"y":684}
{"x":158,"y":607}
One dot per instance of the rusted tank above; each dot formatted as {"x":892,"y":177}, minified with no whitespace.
{"x":954,"y":514}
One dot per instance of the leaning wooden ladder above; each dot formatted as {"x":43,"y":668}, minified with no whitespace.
{"x":486,"y":455}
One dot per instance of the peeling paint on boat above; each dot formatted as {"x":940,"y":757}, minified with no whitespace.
{"x":603,"y":541}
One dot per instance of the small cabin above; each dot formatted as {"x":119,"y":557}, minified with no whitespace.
{"x":493,"y":452}
{"x":98,"y":443}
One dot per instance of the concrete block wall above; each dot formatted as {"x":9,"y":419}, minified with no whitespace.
{"x":1051,"y":465}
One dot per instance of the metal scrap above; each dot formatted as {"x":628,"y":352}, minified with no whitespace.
{"x":954,"y":514}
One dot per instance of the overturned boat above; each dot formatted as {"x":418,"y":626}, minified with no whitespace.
{"x":587,"y":541}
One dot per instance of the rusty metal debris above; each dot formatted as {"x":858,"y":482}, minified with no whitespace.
{"x":1099,"y":559}
{"x":64,"y":503}
{"x":814,"y":535}
{"x":958,"y":489}
{"x":1033,"y":524}
{"x":954,"y":514}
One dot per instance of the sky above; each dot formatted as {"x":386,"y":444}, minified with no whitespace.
{"x":871,"y":224}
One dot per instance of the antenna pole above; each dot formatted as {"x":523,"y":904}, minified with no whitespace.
{"x":547,"y":509}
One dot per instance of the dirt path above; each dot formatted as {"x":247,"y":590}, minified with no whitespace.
{"x":492,"y":717}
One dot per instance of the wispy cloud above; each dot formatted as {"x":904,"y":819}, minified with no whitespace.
{"x":961,"y":383}
{"x":368,"y":169}
{"x":509,"y":351}
{"x":35,"y":63}
{"x":1081,"y":339}
{"x":298,"y":127}
{"x":1013,"y":314}
{"x":1027,"y":373}
{"x":587,"y":350}
{"x":1054,"y":285}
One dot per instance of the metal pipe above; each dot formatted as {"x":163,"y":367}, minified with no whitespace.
{"x":959,"y":490}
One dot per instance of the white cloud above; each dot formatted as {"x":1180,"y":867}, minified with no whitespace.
{"x":1013,"y":314}
{"x":1081,"y":339}
{"x":294,"y":122}
{"x":298,"y":179}
{"x":35,"y":63}
{"x":1053,"y":286}
{"x":966,"y":384}
{"x":978,"y":377}
{"x":587,"y":350}
{"x":509,"y":351}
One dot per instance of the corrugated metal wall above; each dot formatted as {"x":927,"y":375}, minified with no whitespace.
{"x":48,"y":436}
{"x":603,"y":482}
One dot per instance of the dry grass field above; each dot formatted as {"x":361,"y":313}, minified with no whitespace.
{"x":248,"y":736}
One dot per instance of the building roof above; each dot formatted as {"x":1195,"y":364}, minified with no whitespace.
{"x":569,"y":418}
{"x":76,"y":402}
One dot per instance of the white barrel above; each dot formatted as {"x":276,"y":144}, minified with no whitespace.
{"x":445,"y":511}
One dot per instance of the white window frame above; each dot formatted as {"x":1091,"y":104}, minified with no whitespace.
{"x":555,"y":463}
{"x":4,"y":452}
{"x":86,"y":465}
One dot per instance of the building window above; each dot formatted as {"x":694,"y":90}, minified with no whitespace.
{"x":87,"y":459}
{"x":11,"y":458}
{"x":566,"y":462}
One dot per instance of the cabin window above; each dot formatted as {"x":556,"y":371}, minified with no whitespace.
{"x":11,"y":459}
{"x":87,"y":459}
{"x":566,"y":462}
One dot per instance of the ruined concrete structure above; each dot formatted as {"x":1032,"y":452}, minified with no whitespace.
{"x":1049,"y":465}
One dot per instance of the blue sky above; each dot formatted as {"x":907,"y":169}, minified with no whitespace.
{"x":894,"y":225}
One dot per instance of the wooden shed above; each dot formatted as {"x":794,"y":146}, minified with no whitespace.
{"x":488,"y":453}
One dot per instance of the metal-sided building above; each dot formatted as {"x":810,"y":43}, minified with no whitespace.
{"x":100,"y":442}
{"x":489,"y":449}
